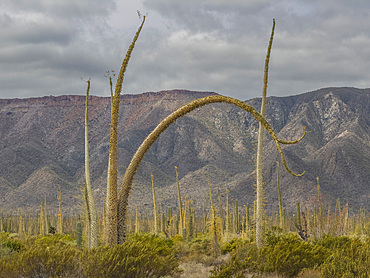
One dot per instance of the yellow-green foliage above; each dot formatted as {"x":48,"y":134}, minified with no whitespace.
{"x":198,"y":250}
{"x":349,"y":257}
{"x":228,"y":247}
{"x":8,"y":245}
{"x":140,"y":256}
{"x":288,"y":255}
{"x":57,"y":256}
{"x":44,"y":257}
{"x":283,"y":254}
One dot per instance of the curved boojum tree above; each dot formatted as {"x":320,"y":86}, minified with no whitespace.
{"x":131,"y":170}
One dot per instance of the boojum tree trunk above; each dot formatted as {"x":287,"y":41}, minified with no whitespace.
{"x":281,"y":214}
{"x":111,"y":202}
{"x":259,"y":163}
{"x":156,"y":217}
{"x":161,"y":127}
{"x":213,"y":226}
{"x":107,"y":197}
{"x":93,"y":227}
{"x":181,"y":223}
{"x":60,"y":216}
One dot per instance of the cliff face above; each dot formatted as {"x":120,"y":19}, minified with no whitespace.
{"x":41,"y":147}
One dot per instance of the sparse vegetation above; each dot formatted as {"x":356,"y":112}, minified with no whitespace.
{"x":284,"y":253}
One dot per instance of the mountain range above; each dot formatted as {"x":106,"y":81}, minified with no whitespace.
{"x":42,"y":148}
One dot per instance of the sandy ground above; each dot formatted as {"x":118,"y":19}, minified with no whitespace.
{"x":195,"y":270}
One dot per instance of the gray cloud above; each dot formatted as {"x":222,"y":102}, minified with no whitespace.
{"x":213,"y":45}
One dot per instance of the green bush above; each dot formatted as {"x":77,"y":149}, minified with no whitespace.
{"x":54,"y":239}
{"x":5,"y":251}
{"x":290,"y":255}
{"x":54,"y":256}
{"x":349,"y":260}
{"x":201,"y":245}
{"x":228,"y":247}
{"x":4,"y":236}
{"x":13,"y":245}
{"x":283,"y":254}
{"x":38,"y":260}
{"x":334,"y":242}
{"x":274,"y":235}
{"x":140,"y":256}
{"x":8,"y":245}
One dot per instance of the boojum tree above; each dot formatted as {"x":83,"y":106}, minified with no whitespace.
{"x":111,"y":199}
{"x":259,"y":160}
{"x":90,"y":203}
{"x":131,"y":170}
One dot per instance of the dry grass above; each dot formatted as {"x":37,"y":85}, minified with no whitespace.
{"x":309,"y":273}
{"x":200,"y":267}
{"x":195,"y":270}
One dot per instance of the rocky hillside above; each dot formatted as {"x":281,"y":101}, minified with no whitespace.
{"x":42,"y":147}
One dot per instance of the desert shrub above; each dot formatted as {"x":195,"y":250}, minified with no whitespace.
{"x":283,"y":254}
{"x":228,"y":247}
{"x":181,"y":248}
{"x":334,"y":242}
{"x":8,"y":245}
{"x":201,"y":244}
{"x":39,"y":260}
{"x":13,"y":235}
{"x":274,"y":235}
{"x":290,"y":255}
{"x":142,"y":255}
{"x":55,"y":256}
{"x":366,"y":229}
{"x":54,"y":239}
{"x":4,"y":236}
{"x":12,"y":244}
{"x":176,"y":238}
{"x":244,"y":259}
{"x":349,"y":260}
{"x":5,"y":251}
{"x":199,"y":251}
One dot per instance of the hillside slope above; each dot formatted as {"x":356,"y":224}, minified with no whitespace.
{"x":41,"y":147}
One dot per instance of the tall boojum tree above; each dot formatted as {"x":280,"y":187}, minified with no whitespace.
{"x":90,"y":203}
{"x":131,"y":170}
{"x":259,"y":161}
{"x":111,"y":201}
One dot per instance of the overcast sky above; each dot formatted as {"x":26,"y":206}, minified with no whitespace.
{"x":47,"y":46}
